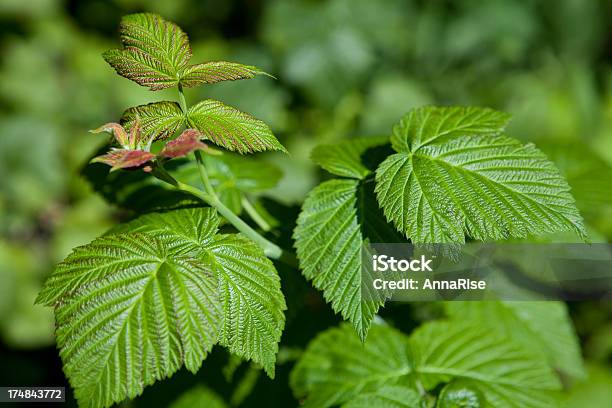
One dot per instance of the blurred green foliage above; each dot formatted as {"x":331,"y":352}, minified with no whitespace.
{"x":344,"y":67}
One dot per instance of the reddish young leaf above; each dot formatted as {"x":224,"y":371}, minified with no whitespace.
{"x":135,"y":135}
{"x":186,"y":143}
{"x":158,"y":120}
{"x":121,"y":158}
{"x":116,"y":129}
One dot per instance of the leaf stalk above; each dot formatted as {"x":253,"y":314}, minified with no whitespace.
{"x":271,"y":250}
{"x":254,"y":214}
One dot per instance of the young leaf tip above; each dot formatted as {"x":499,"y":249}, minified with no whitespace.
{"x":264,"y":73}
{"x":123,"y":158}
{"x":114,"y":129}
{"x":187,"y":142}
{"x":156,"y":54}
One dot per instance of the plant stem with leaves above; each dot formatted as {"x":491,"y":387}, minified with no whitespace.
{"x":270,"y":249}
{"x":210,"y":197}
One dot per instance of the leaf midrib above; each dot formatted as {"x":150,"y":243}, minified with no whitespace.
{"x":410,"y":162}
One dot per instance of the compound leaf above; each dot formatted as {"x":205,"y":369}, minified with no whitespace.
{"x":156,"y":54}
{"x":153,"y":294}
{"x":217,"y":71}
{"x":507,"y":373}
{"x":230,"y":128}
{"x":542,"y":326}
{"x":158,"y":120}
{"x":454,"y":174}
{"x":155,"y":51}
{"x":133,"y":309}
{"x":336,"y":366}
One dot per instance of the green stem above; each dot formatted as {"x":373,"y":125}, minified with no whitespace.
{"x":203,"y":174}
{"x":270,"y":249}
{"x":182,"y":101}
{"x":254,"y":214}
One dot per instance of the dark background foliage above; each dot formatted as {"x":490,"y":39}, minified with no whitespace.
{"x":344,"y":68}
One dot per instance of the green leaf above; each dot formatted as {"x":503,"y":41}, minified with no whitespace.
{"x":336,"y":366}
{"x":253,"y":303}
{"x":542,"y":326}
{"x":454,"y":174}
{"x":156,"y":54}
{"x":249,"y":288}
{"x":329,"y":244}
{"x":248,"y":175}
{"x":431,"y":124}
{"x":507,"y":373}
{"x":132,"y":309}
{"x":158,"y":120}
{"x":346,"y":159}
{"x":231,"y":128}
{"x":338,"y":218}
{"x":195,"y":225}
{"x":134,"y":305}
{"x":156,"y":51}
{"x":391,"y":396}
{"x":217,"y":71}
{"x":199,"y":397}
